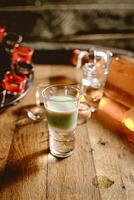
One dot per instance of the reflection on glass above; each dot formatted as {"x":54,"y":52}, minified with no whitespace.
{"x":37,"y":112}
{"x":128,"y":120}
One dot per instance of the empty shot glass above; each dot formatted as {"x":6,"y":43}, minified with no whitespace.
{"x":61,"y":103}
{"x":94,"y":77}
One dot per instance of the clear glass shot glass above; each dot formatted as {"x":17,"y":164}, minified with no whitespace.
{"x":84,"y":110}
{"x":37,"y":112}
{"x":94,"y":77}
{"x":61,"y":103}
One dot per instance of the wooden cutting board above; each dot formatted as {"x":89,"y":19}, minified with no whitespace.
{"x":120,"y":83}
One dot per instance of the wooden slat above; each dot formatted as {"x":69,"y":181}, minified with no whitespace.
{"x":99,"y":36}
{"x":26,"y":169}
{"x":120,"y":85}
{"x":71,"y":178}
{"x":25,"y":165}
{"x":6,"y":135}
{"x":113,"y":160}
{"x":63,"y":6}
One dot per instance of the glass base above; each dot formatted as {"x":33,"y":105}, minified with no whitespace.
{"x":84,"y":113}
{"x":61,"y":154}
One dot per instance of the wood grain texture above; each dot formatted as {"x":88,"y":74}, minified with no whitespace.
{"x":6,"y":135}
{"x":71,"y":178}
{"x":120,"y":85}
{"x":29,"y":172}
{"x":26,"y":147}
{"x":113,"y":160}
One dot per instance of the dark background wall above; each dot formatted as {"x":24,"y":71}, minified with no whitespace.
{"x":106,"y":23}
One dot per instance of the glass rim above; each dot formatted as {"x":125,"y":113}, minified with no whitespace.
{"x":63,"y":85}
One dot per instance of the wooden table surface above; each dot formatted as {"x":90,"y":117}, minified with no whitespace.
{"x":101,"y":168}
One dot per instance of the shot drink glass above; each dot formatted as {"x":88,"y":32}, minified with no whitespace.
{"x":94,"y":77}
{"x":61,"y":103}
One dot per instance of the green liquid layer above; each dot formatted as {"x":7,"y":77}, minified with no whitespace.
{"x":62,"y":114}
